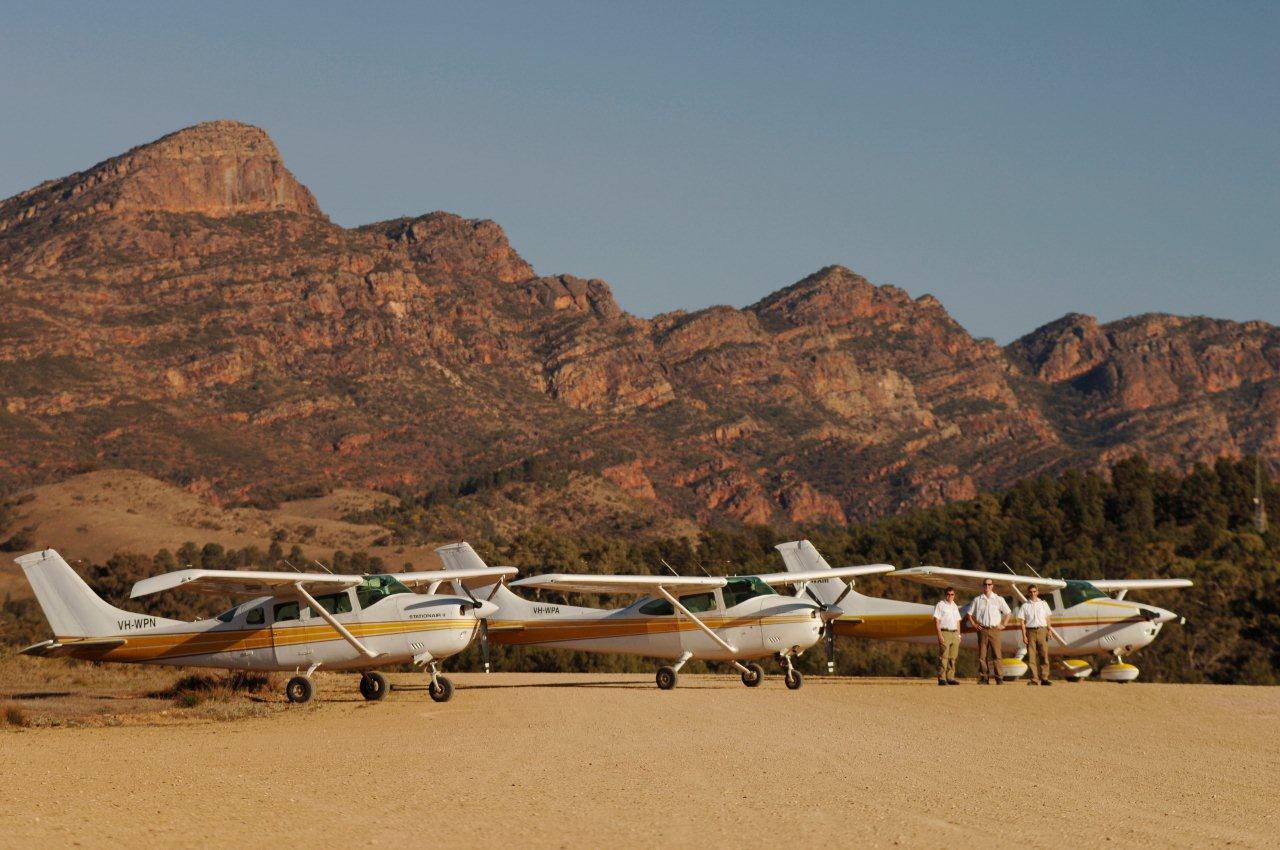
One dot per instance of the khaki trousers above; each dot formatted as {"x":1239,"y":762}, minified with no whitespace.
{"x":947,"y":656}
{"x":1038,"y":653}
{"x":990,"y":654}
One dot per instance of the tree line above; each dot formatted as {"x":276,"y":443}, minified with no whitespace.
{"x":1133,"y":522}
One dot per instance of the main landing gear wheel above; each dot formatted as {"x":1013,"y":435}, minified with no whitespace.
{"x":373,"y":686}
{"x":441,"y":689}
{"x":793,"y":679}
{"x":299,"y":689}
{"x":666,"y":678}
{"x":754,"y":675}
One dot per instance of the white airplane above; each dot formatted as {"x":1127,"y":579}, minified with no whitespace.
{"x":1085,"y":619}
{"x":733,"y":619}
{"x":297,"y":621}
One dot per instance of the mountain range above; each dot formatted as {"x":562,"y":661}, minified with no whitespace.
{"x":187,"y":310}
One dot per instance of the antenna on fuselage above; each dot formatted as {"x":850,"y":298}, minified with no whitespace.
{"x":669,"y":567}
{"x":290,"y":566}
{"x":322,"y":566}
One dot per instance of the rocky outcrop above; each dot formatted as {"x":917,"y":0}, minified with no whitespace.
{"x":187,"y":310}
{"x":218,"y":168}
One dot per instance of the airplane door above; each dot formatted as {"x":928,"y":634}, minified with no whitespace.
{"x":288,"y":636}
{"x":741,"y":617}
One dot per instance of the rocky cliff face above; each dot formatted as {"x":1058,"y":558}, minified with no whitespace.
{"x":187,"y":310}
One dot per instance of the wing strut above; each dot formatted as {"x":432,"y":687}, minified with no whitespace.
{"x":328,"y":618}
{"x":675,"y":603}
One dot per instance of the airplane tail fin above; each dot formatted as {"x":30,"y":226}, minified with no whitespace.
{"x":460,"y":556}
{"x":72,"y":609}
{"x":800,"y":556}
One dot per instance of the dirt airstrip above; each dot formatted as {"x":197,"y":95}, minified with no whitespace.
{"x":597,"y":760}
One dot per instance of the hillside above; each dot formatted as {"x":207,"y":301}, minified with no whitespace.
{"x":186,"y":310}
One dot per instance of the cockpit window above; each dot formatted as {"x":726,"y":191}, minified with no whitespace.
{"x":657,"y":608}
{"x":376,"y":588}
{"x":741,"y":588}
{"x":255,"y":617}
{"x":1078,"y":591}
{"x":695,"y":603}
{"x":286,"y":611}
{"x":228,"y":616}
{"x":335,"y":603}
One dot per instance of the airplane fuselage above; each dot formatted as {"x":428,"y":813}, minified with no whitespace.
{"x":252,"y":637}
{"x":1093,"y":627}
{"x":756,"y":628}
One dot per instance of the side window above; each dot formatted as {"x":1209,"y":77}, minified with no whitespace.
{"x":335,"y":603}
{"x":657,"y":607}
{"x":255,"y":617}
{"x":699,"y":602}
{"x":286,"y":611}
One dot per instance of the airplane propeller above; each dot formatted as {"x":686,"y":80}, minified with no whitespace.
{"x":487,"y":607}
{"x":829,"y":614}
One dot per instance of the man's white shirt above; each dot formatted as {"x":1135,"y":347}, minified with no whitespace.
{"x":1034,"y":613}
{"x":989,"y":610}
{"x":948,"y":615}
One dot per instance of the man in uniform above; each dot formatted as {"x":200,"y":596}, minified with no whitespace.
{"x":989,"y":614}
{"x":946,"y":619}
{"x":1034,"y":614}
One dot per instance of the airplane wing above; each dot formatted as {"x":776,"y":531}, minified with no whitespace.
{"x":252,"y":582}
{"x":622,"y":584}
{"x":1107,"y":585}
{"x":470,"y":578}
{"x":970,"y":581}
{"x":775,"y":579}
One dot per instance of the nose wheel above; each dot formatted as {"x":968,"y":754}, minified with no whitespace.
{"x":791,"y":677}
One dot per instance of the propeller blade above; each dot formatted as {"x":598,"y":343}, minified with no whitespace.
{"x":830,"y":643}
{"x":484,"y":643}
{"x":843,"y":594}
{"x":809,"y":590}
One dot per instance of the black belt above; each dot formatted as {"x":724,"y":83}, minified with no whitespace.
{"x":949,"y":630}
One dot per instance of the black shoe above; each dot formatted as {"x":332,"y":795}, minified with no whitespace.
{"x":942,"y":682}
{"x":999,"y":681}
{"x":982,"y":681}
{"x":952,"y":682}
{"x":1046,"y":683}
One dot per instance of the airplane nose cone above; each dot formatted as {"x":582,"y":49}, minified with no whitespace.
{"x":829,"y":613}
{"x":1163,"y":616}
{"x":484,"y":609}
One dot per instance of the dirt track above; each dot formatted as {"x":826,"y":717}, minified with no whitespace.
{"x":548,"y":761}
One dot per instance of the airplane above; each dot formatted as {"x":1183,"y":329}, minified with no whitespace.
{"x":710,"y":618}
{"x":1087,"y":618}
{"x":295,"y":621}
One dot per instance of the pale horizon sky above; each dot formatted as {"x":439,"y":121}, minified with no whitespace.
{"x":1018,"y":161}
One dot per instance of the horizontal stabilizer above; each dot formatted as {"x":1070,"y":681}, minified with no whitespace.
{"x":55,"y":648}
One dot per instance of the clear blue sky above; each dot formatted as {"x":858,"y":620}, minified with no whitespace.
{"x":1018,"y":160}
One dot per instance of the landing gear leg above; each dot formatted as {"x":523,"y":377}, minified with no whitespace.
{"x":667,"y":676}
{"x":299,"y":689}
{"x":440,"y":689}
{"x":752,"y":674}
{"x":792,"y":676}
